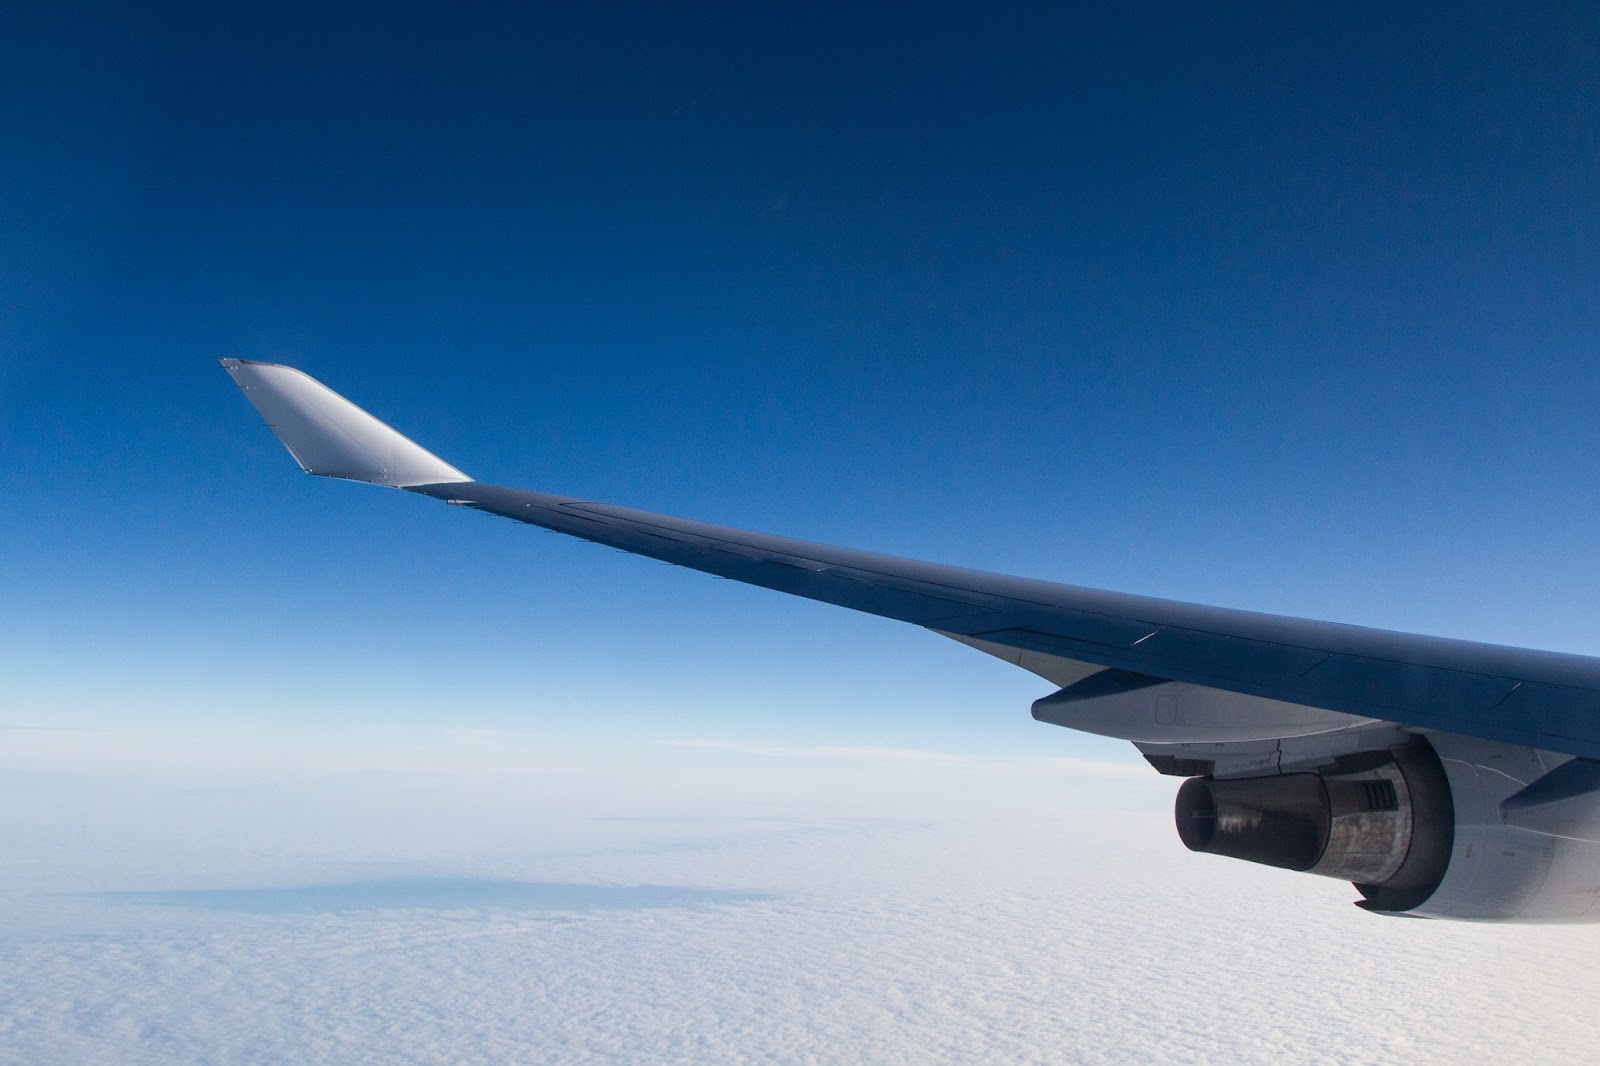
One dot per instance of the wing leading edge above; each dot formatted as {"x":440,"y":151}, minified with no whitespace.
{"x":1545,"y":700}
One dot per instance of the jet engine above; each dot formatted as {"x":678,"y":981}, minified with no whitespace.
{"x":1439,"y":827}
{"x":1382,"y":820}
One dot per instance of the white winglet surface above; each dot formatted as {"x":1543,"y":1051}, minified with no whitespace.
{"x":330,"y":436}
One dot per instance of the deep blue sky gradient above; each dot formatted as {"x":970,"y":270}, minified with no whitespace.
{"x":1262,"y":305}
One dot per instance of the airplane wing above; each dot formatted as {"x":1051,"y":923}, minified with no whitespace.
{"x":1089,"y":641}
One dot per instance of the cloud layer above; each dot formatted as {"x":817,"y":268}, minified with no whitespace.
{"x":1053,"y":939}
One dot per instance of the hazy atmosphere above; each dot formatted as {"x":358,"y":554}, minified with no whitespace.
{"x":1281,"y":309}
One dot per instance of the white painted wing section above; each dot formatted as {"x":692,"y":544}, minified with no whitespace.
{"x":330,"y":436}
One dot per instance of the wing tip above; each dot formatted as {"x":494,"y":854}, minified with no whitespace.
{"x":331,"y":437}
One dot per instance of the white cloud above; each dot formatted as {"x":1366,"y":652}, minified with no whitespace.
{"x":840,"y":904}
{"x":1021,"y":942}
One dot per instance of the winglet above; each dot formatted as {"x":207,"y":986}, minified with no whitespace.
{"x":330,"y":436}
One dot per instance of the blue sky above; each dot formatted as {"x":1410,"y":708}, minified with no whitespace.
{"x":1282,"y":309}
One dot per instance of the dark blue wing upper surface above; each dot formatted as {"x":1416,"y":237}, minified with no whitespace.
{"x":1542,"y":699}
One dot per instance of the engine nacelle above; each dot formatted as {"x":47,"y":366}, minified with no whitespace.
{"x":1418,"y":829}
{"x":1381,"y":820}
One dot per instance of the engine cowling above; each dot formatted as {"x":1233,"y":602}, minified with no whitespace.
{"x":1382,"y":820}
{"x":1417,"y":829}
